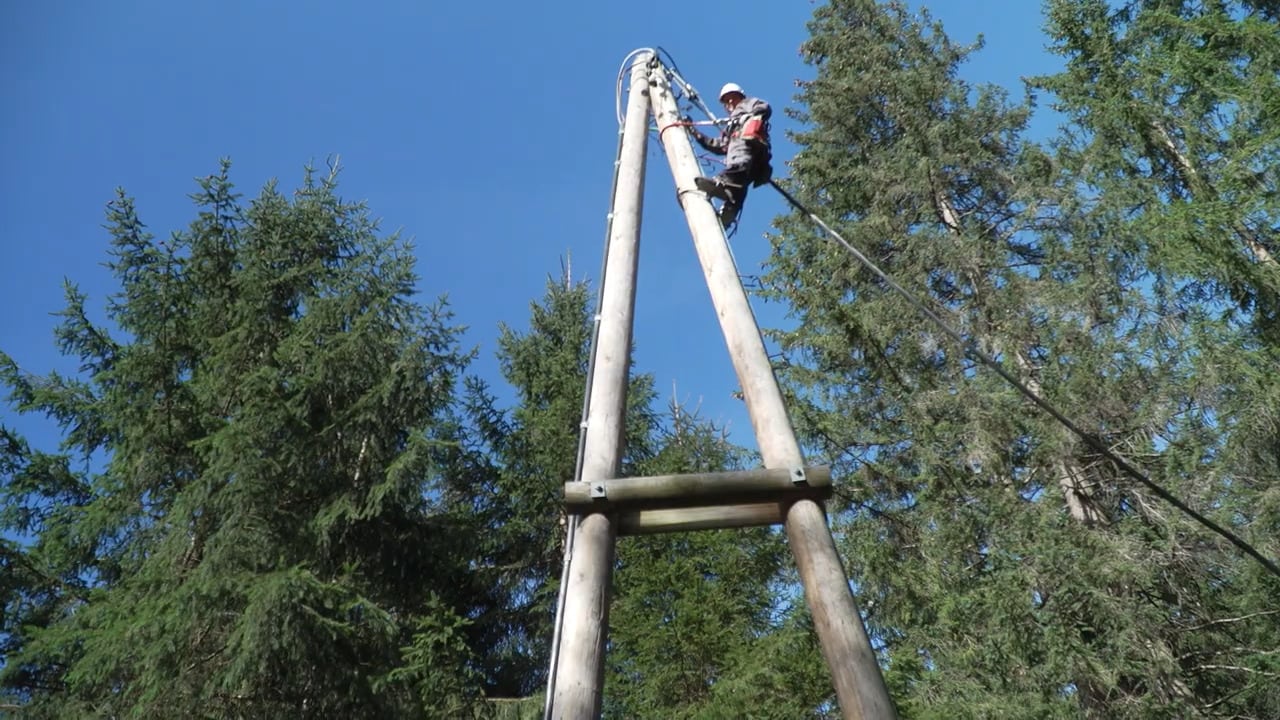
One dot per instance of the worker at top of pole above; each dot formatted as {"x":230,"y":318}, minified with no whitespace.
{"x":744,"y":141}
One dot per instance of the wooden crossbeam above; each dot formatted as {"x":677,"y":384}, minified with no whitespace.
{"x":711,"y":517}
{"x":699,"y":490}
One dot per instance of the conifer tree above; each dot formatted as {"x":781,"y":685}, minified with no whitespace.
{"x":240,"y":522}
{"x":1174,"y":134}
{"x":1004,"y":566}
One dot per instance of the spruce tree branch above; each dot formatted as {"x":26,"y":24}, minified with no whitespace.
{"x":78,"y":593}
{"x":1238,"y":668}
{"x":1226,"y":651}
{"x":1089,"y":438}
{"x":1229,"y":696}
{"x":1192,"y":181}
{"x":1225,"y":621}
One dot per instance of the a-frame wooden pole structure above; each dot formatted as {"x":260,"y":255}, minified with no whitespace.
{"x":785,"y":491}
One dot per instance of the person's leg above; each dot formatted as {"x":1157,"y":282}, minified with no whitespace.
{"x":736,"y":182}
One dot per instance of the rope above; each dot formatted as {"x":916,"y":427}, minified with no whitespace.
{"x":972,"y":350}
{"x":668,"y":126}
{"x":682,"y":123}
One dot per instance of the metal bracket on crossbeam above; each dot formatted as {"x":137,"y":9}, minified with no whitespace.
{"x":798,"y":476}
{"x":598,"y":490}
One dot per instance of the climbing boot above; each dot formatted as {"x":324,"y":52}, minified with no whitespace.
{"x":712,"y":186}
{"x":728,"y":213}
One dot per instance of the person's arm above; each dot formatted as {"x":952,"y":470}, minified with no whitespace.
{"x":718,"y":145}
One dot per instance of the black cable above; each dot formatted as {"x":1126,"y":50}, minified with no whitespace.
{"x":691,"y":93}
{"x":972,"y":350}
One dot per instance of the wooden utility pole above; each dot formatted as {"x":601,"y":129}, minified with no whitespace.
{"x":859,"y":684}
{"x":578,"y":665}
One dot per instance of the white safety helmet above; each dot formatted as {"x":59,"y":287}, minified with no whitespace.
{"x":731,"y":88}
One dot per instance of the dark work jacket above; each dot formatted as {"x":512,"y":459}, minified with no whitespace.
{"x":738,"y":151}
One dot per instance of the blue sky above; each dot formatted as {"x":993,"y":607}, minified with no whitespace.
{"x":484,"y":131}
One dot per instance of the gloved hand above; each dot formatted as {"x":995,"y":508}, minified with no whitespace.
{"x":688,"y":121}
